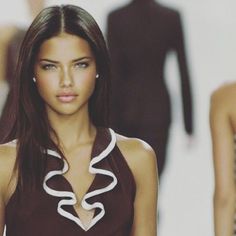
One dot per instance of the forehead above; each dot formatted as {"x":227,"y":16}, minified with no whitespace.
{"x":65,"y":47}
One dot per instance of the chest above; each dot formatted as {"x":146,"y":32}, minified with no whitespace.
{"x":78,"y":175}
{"x":37,"y":212}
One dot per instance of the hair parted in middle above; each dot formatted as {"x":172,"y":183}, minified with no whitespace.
{"x":30,"y":123}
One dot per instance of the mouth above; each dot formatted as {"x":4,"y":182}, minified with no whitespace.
{"x":66,"y":98}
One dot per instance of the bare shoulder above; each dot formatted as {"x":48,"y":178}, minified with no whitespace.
{"x":135,"y":147}
{"x":7,"y":157}
{"x":8,"y":152}
{"x":224,"y":97}
{"x":138,"y":154}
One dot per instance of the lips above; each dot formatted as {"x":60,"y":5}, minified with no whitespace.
{"x":66,"y":97}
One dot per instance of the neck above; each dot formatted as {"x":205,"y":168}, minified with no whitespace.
{"x":71,"y":130}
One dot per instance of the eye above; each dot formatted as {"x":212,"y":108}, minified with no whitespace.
{"x":48,"y":67}
{"x":81,"y":64}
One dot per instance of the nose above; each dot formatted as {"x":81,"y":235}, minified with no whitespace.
{"x":66,"y":79}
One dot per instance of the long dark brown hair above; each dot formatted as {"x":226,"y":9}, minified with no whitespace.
{"x":28,"y":118}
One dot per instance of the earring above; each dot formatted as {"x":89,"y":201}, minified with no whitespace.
{"x":97,"y":76}
{"x":34,"y":79}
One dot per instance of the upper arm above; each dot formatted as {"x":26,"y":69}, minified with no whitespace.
{"x":142,"y":161}
{"x":222,"y":144}
{"x":116,"y":43}
{"x":177,"y":35}
{"x":2,"y":214}
{"x":145,"y":215}
{"x":2,"y":200}
{"x":6,"y":186}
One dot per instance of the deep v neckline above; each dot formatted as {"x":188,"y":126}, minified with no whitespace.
{"x":73,"y":209}
{"x":92,"y":154}
{"x":103,"y":145}
{"x":91,"y":185}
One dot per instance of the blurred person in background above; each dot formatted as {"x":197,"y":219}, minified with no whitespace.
{"x":223,"y":132}
{"x":140,"y":35}
{"x":11,"y":38}
{"x":6,"y":33}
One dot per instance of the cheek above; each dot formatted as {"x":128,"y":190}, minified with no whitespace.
{"x":89,"y":86}
{"x":45,"y":87}
{"x":87,"y":83}
{"x":45,"y":82}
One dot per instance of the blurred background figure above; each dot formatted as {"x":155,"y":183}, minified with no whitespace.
{"x":140,"y":35}
{"x":6,"y":33}
{"x":10,"y":40}
{"x":223,"y":131}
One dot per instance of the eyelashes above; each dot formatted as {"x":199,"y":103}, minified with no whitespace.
{"x":52,"y":67}
{"x":48,"y":67}
{"x":81,"y":64}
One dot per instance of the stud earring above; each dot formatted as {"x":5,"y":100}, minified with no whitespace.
{"x":97,"y":76}
{"x":34,"y":79}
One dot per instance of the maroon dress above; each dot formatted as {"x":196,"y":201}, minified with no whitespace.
{"x":35,"y":213}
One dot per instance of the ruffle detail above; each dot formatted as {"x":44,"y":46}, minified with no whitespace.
{"x":69,"y":198}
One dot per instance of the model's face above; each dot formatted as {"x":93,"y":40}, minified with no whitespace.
{"x":65,"y":73}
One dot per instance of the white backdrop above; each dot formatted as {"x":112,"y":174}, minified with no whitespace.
{"x":210,"y":31}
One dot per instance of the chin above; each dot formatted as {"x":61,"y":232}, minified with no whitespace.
{"x":66,"y":111}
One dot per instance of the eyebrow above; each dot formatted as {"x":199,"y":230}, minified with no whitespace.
{"x":57,"y":62}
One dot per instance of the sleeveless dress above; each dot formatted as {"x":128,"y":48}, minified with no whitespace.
{"x":49,"y":211}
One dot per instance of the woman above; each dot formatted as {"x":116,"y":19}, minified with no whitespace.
{"x":223,"y":129}
{"x":65,"y":172}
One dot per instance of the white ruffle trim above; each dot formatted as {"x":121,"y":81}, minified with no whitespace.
{"x":70,"y":196}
